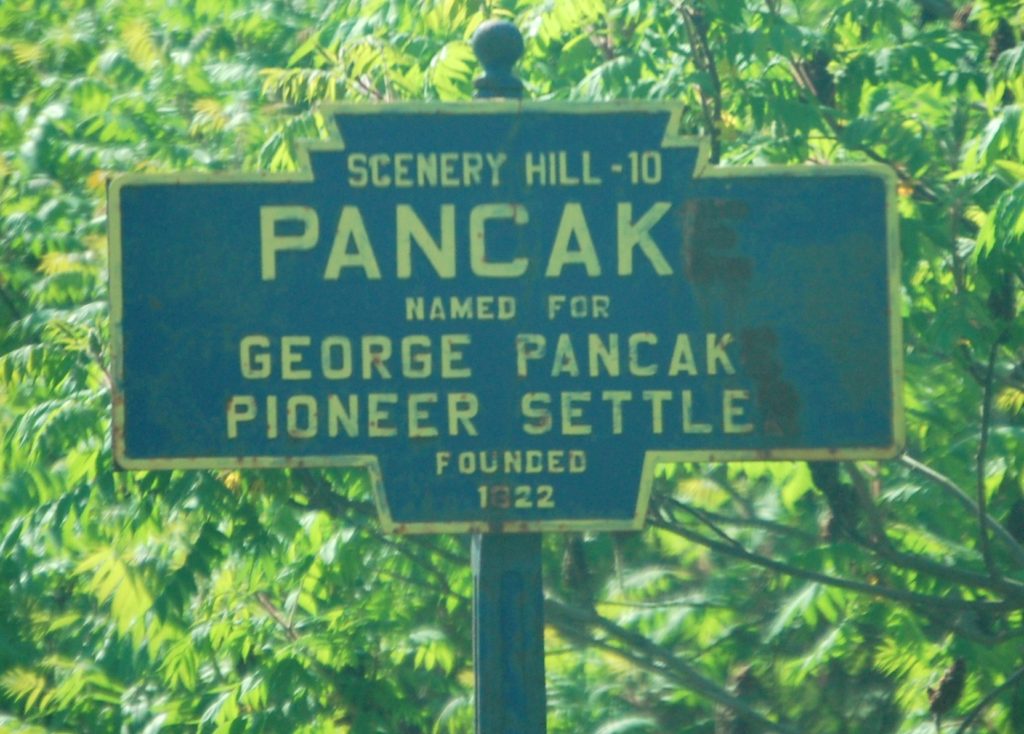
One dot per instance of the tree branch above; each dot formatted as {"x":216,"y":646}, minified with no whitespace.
{"x":699,"y":514}
{"x":1015,"y":548}
{"x":277,"y":616}
{"x":867,"y":503}
{"x":432,"y":587}
{"x":981,"y":493}
{"x":439,"y":577}
{"x":984,"y":703}
{"x":637,"y":649}
{"x":883,"y":549}
{"x":835,"y":125}
{"x":711,"y":105}
{"x":949,"y":573}
{"x":322,"y":497}
{"x":904,"y":597}
{"x":751,"y":522}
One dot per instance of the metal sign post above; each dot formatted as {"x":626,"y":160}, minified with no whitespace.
{"x":508,"y":634}
{"x":508,"y":600}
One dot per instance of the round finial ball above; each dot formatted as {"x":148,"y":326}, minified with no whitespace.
{"x":497,"y":43}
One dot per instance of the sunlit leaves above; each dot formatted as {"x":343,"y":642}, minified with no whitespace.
{"x":1003,"y":227}
{"x":268,"y":601}
{"x":451,"y":71}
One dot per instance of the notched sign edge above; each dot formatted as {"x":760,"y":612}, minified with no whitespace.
{"x":672,"y":138}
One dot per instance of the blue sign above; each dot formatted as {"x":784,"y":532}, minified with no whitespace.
{"x":508,"y":312}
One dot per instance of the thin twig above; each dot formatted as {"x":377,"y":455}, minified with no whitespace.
{"x":707,"y":521}
{"x":884,"y":550}
{"x":752,"y":522}
{"x":419,"y":583}
{"x":836,"y":126}
{"x":277,"y":616}
{"x":438,"y":574}
{"x":867,"y":503}
{"x":982,"y":494}
{"x":882,"y":547}
{"x":662,"y":604}
{"x":1015,"y":548}
{"x":637,"y":649}
{"x":950,"y":573}
{"x":711,"y":105}
{"x":322,"y":497}
{"x":983,"y":703}
{"x":875,"y":590}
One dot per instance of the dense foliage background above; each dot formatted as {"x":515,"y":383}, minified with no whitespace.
{"x":862,"y":597}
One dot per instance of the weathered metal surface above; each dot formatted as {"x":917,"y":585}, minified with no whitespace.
{"x":510,"y":311}
{"x":508,"y":634}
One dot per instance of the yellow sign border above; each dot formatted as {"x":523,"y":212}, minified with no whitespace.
{"x":673,"y":138}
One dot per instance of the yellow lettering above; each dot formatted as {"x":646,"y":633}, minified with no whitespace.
{"x":403,"y":179}
{"x":535,"y":168}
{"x":689,"y":426}
{"x":358,"y":176}
{"x":528,"y":347}
{"x":732,"y":413}
{"x":635,"y":368}
{"x":565,"y":358}
{"x":341,"y":417}
{"x":682,"y":357}
{"x":240,"y":408}
{"x":657,"y":400}
{"x":419,"y":415}
{"x":272,"y":243}
{"x":451,"y":356}
{"x":378,"y":413}
{"x":717,"y":354}
{"x":426,"y":169}
{"x":564,"y":177}
{"x":416,"y":363}
{"x":495,"y":161}
{"x":537,"y":415}
{"x":291,"y":359}
{"x":378,"y":162}
{"x":351,"y":228}
{"x":607,"y":355}
{"x":589,"y":178}
{"x":617,"y":398}
{"x":271,"y":416}
{"x":342,"y":369}
{"x":472,"y":165}
{"x":410,"y":228}
{"x":570,"y":413}
{"x":462,"y":408}
{"x":376,"y":353}
{"x":415,"y":308}
{"x":448,"y":176}
{"x":306,"y":404}
{"x":573,"y":225}
{"x":479,"y":261}
{"x":638,"y":235}
{"x":256,"y":365}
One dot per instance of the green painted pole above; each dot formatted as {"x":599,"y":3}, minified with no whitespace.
{"x":508,"y":603}
{"x":508,"y":634}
